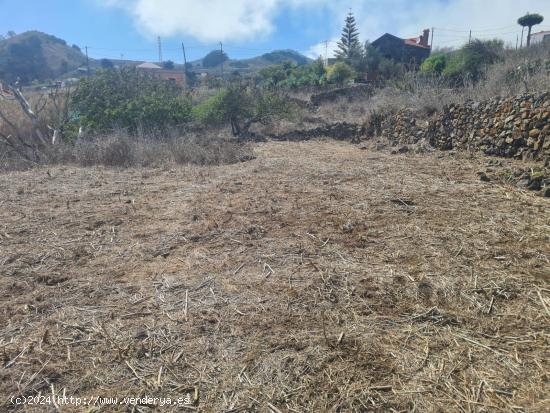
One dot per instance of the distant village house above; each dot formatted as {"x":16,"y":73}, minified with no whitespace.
{"x":176,"y":76}
{"x":540,"y":37}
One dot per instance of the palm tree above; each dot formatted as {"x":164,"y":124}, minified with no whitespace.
{"x":530,"y":20}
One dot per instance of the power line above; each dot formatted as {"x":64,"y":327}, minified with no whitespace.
{"x":494,"y":29}
{"x":121,"y":50}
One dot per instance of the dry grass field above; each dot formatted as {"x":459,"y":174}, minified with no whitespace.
{"x":315,"y":278}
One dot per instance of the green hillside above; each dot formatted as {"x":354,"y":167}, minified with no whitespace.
{"x":37,"y":56}
{"x":255,"y":63}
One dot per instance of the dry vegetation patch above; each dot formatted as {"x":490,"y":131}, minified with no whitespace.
{"x":316,"y":277}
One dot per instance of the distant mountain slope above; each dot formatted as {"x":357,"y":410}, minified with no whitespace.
{"x":256,"y":63}
{"x":38,"y":56}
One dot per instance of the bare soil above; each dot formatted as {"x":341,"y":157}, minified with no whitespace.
{"x":315,"y":278}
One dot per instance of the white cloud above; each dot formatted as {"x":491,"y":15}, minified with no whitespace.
{"x":206,"y":20}
{"x":323,"y":49}
{"x":215,"y":20}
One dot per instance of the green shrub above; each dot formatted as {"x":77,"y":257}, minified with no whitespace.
{"x":436,"y":63}
{"x":241,"y":106}
{"x":128,"y":99}
{"x":339,"y":73}
{"x":290,"y":75}
{"x":468,"y":62}
{"x":479,"y":54}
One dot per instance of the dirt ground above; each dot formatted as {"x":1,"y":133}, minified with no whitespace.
{"x":315,"y":278}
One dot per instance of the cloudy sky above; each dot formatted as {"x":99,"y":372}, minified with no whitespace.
{"x":129,"y":28}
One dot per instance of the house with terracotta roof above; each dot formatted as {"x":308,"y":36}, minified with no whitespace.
{"x":175,"y":76}
{"x":411,"y":52}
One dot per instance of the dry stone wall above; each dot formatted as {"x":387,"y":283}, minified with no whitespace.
{"x":516,"y":127}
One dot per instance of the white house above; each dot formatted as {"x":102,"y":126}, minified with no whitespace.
{"x":540,"y":37}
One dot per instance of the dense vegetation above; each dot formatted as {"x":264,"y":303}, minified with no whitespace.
{"x":136,"y":102}
{"x":128,"y":99}
{"x":290,"y":75}
{"x":241,"y":106}
{"x":468,"y":62}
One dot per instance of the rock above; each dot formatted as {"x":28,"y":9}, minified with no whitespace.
{"x":403,"y":149}
{"x":534,"y":185}
{"x":545,"y":192}
{"x":534,"y":133}
{"x":523,"y":183}
{"x":483,"y":177}
{"x":348,"y":227}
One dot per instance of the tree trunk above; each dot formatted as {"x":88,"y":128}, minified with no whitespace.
{"x":529,"y":36}
{"x":235,"y":128}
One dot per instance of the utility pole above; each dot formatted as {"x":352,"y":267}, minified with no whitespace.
{"x":184,"y":63}
{"x":326,"y":53}
{"x":87,"y":62}
{"x":221,"y":57}
{"x":160,"y":49}
{"x":470,"y":38}
{"x":517,"y":41}
{"x":432,"y":42}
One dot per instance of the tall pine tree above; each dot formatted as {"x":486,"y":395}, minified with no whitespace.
{"x":349,"y":46}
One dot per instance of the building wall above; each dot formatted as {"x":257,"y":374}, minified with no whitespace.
{"x":540,"y":38}
{"x":175,"y":76}
{"x":172,"y":75}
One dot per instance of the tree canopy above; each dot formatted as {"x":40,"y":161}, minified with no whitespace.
{"x":106,"y":64}
{"x":214,"y":58}
{"x":241,"y":106}
{"x":130,"y":99}
{"x":349,"y":46}
{"x":530,"y":20}
{"x":168,"y":64}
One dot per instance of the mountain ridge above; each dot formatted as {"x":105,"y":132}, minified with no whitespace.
{"x":35,"y":56}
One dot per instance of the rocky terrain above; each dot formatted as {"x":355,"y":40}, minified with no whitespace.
{"x":513,"y":127}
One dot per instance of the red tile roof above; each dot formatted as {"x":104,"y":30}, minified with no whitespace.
{"x":414,"y":42}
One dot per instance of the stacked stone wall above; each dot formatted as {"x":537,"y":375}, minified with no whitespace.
{"x":516,"y":127}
